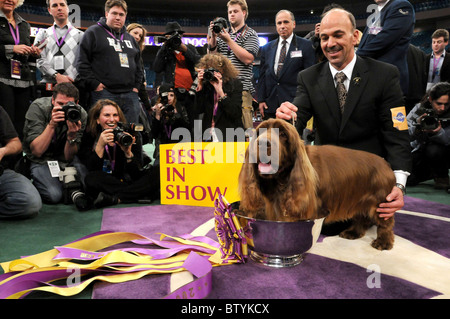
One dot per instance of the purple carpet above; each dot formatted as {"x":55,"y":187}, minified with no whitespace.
{"x":316,"y":277}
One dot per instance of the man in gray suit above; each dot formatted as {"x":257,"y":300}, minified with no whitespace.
{"x":365,"y":112}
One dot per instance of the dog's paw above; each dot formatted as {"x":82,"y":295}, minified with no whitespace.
{"x":351,"y":234}
{"x":382,"y":244}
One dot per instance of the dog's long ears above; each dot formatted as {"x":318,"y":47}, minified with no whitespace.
{"x":303,"y":181}
{"x":302,"y":167}
{"x":305,"y":165}
{"x":247,"y":179}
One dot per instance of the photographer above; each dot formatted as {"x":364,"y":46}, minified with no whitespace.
{"x":219,"y":97}
{"x":240,"y":44}
{"x":110,"y":152}
{"x":429,"y":129}
{"x":52,"y":135}
{"x":168,"y":114}
{"x":177,"y":60}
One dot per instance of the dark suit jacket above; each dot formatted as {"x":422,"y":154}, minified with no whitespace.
{"x":445,"y":70}
{"x":391,"y":44}
{"x":418,"y":74}
{"x":274,"y":89}
{"x":366,"y":123}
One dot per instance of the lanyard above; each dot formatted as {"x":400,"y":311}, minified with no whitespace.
{"x":244,"y":30}
{"x":113,"y":160}
{"x":216,"y":105}
{"x":435,"y":65}
{"x":168,"y":129}
{"x":16,"y":36}
{"x":121,"y":37}
{"x":59,"y":43}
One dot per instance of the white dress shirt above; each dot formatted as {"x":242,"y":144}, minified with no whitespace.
{"x":277,"y":54}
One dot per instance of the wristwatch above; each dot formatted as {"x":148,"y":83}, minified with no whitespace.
{"x":54,"y":75}
{"x":402,"y":188}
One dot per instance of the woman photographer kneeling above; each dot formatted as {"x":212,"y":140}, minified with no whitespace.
{"x":168,"y":115}
{"x":111,"y":155}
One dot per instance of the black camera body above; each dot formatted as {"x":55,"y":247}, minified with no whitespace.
{"x":72,"y":112}
{"x":208,"y":75}
{"x":219,"y":24}
{"x":173,"y":42}
{"x":167,"y":113}
{"x":164,"y":98}
{"x":121,"y":130}
{"x":431,"y":120}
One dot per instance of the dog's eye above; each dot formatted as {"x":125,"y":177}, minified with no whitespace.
{"x":283,"y":134}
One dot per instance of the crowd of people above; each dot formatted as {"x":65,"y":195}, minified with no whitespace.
{"x":82,"y":141}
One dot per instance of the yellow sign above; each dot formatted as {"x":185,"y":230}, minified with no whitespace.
{"x":195,"y":173}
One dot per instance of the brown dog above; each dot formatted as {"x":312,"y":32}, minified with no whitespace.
{"x":284,"y":180}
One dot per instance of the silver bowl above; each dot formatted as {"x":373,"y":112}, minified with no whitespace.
{"x":279,"y":244}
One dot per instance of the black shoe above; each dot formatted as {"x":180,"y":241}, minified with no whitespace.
{"x":104,"y":200}
{"x":81,"y":201}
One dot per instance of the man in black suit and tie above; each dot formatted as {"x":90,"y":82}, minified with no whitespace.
{"x":438,"y":61}
{"x":281,"y":60}
{"x":364,"y":110}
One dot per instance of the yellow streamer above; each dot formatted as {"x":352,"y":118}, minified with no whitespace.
{"x":133,"y":265}
{"x":45,"y":259}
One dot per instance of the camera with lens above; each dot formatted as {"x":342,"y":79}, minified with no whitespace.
{"x":431,"y":120}
{"x":173,"y":42}
{"x":219,"y":24}
{"x":72,"y":112}
{"x":72,"y":188}
{"x":121,"y":130}
{"x":164,"y":98}
{"x":167,"y":110}
{"x":208,"y":75}
{"x":167,"y":113}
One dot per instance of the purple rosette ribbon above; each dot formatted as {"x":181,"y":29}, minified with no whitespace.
{"x":233,"y":244}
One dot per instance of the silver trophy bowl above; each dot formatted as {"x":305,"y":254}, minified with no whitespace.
{"x":279,"y":244}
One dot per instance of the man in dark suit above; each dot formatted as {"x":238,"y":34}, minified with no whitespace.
{"x":438,"y":62}
{"x":388,"y":35}
{"x":372,"y":116}
{"x":280,"y":66}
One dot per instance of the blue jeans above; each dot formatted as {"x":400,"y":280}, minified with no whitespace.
{"x":51,"y":188}
{"x":128,"y":102}
{"x":18,"y":197}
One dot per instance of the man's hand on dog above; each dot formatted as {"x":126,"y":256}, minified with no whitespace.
{"x":394,"y":202}
{"x":286,"y":111}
